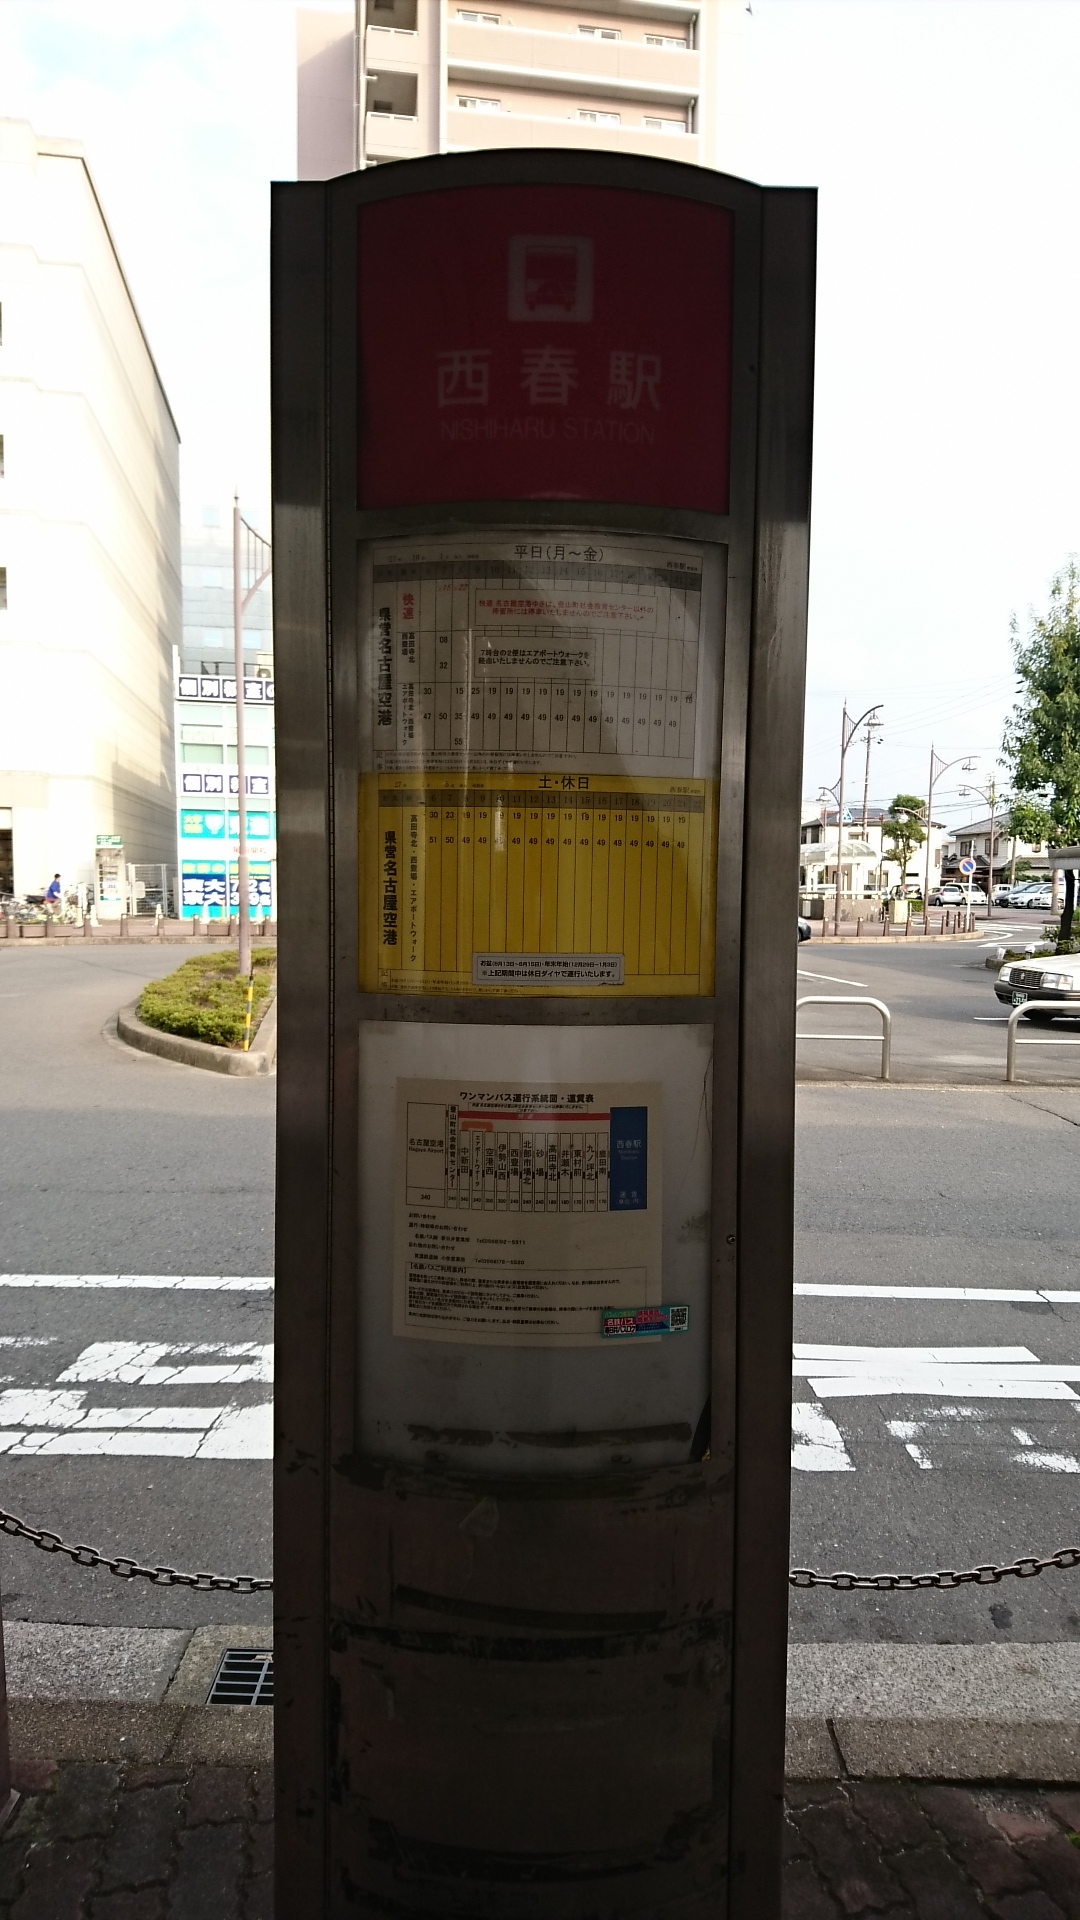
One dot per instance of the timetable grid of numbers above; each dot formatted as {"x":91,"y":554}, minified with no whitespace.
{"x":501,"y":1163}
{"x":483,"y":864}
{"x":514,"y":661}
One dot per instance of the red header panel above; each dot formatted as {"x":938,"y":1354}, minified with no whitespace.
{"x":545,"y":343}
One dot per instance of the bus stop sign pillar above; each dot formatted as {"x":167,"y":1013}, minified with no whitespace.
{"x":541,"y":472}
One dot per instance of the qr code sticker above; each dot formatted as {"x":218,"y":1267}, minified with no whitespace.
{"x":679,"y":1320}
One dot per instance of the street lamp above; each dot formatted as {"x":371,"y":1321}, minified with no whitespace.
{"x":937,"y":768}
{"x":991,"y":796}
{"x":848,"y":730}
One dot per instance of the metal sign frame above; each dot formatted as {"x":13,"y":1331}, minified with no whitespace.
{"x":323,"y":1527}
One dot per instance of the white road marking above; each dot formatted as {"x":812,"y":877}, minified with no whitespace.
{"x":834,"y":978}
{"x":903,"y":1430}
{"x":843,"y":1291}
{"x":991,"y":1019}
{"x":817,"y":1443}
{"x":38,"y":1421}
{"x":808,"y":1358}
{"x":139,"y":1363}
{"x":1050,"y":1462}
{"x":986,"y":1373}
{"x":180,"y":1283}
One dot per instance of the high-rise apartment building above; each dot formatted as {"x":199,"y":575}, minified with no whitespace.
{"x":89,"y":537}
{"x":412,"y":77}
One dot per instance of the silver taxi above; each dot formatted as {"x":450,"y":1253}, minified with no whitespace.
{"x":1055,"y":977}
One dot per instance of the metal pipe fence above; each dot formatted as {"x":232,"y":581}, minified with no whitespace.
{"x":1034,"y":1040}
{"x":851,"y":1000}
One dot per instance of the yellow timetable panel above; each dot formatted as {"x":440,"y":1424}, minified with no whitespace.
{"x":536,"y":883}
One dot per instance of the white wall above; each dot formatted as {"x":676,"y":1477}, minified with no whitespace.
{"x":89,"y":532}
{"x":325,"y":95}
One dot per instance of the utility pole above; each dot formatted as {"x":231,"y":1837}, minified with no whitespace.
{"x":255,"y":563}
{"x":937,"y":768}
{"x":848,"y":730}
{"x":871,"y":737}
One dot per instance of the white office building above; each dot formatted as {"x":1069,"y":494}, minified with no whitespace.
{"x":207,"y":782}
{"x":89,"y":536}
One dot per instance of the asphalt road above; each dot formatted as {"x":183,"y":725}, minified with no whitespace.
{"x":945,"y":1449}
{"x":948,"y":1029}
{"x":113,"y":1162}
{"x":929,"y":1432}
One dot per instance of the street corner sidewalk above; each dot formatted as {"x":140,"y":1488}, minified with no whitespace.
{"x":97,"y":1841}
{"x":904,"y":1851}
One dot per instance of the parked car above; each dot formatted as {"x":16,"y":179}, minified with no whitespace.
{"x":952,"y":895}
{"x":1041,"y":899}
{"x":1057,"y":977}
{"x":804,"y":929}
{"x":1019,"y":895}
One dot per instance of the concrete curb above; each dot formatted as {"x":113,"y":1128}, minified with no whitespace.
{"x":199,"y":1053}
{"x":959,"y":1713}
{"x":934,"y":1713}
{"x":129,"y":1693}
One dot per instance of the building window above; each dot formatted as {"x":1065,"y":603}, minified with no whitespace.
{"x":476,"y":19}
{"x":601,"y":33}
{"x":203,"y":756}
{"x":477,"y":103}
{"x":3,"y":587}
{"x":253,"y":756}
{"x":665,"y":126}
{"x":967,"y":848}
{"x":664,"y":40}
{"x":596,"y":118}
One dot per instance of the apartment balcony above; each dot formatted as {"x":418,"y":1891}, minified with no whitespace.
{"x":572,"y":63}
{"x":467,"y":130}
{"x":392,"y":136}
{"x":387,"y":48}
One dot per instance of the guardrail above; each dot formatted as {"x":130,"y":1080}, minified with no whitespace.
{"x":1042,"y":1040}
{"x":851,"y":1000}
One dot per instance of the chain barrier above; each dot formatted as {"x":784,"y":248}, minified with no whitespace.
{"x":1024,"y":1568}
{"x":127,"y":1569}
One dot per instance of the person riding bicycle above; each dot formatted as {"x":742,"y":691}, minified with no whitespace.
{"x":53,"y":895}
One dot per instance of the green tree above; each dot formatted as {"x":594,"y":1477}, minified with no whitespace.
{"x":903,"y":827}
{"x":1042,"y":738}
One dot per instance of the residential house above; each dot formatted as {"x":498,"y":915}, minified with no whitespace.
{"x":869,"y":868}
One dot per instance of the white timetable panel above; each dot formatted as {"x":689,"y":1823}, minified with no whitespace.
{"x":529,"y":653}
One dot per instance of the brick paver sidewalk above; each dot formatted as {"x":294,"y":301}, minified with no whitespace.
{"x":139,"y":1843}
{"x":195,"y":1843}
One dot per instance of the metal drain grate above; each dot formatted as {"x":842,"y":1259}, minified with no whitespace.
{"x":245,"y":1678}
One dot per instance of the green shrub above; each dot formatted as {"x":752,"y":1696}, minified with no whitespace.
{"x":206,"y":999}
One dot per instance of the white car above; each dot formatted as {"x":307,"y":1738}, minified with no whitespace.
{"x":1055,"y":977}
{"x":953,"y":894}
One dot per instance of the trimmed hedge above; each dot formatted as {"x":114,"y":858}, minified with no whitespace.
{"x":206,"y":999}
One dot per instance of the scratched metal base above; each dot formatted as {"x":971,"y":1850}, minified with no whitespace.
{"x":534,"y":1696}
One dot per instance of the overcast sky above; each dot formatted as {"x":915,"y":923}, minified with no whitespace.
{"x":942,"y":135}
